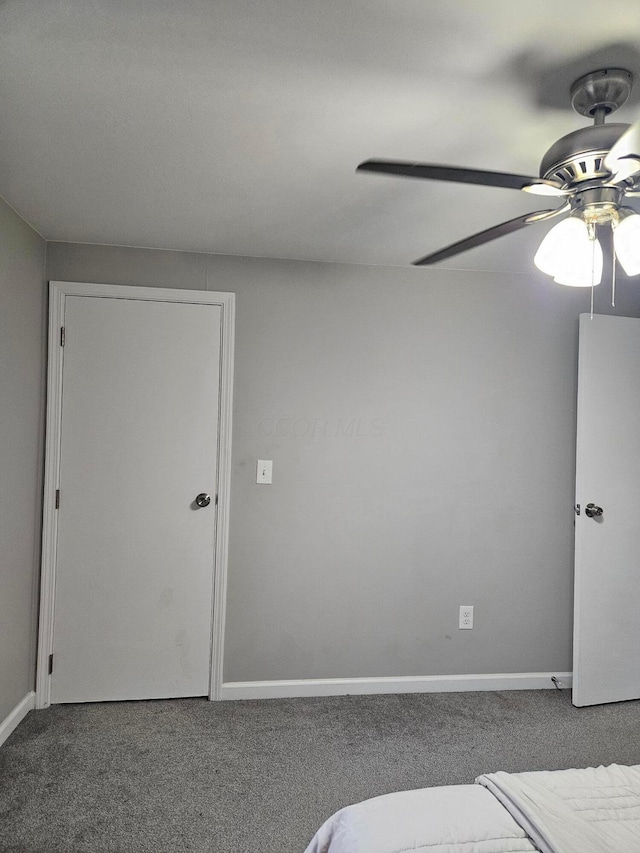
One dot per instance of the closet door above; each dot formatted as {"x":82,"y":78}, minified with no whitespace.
{"x":606,"y":650}
{"x":135,"y":549}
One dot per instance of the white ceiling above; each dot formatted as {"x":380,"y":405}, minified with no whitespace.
{"x":235,"y":126}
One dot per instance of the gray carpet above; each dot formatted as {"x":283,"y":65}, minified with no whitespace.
{"x":260,"y":776}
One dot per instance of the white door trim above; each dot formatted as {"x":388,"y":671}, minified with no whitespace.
{"x":58,"y":291}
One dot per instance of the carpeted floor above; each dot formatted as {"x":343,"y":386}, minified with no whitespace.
{"x":260,"y":776}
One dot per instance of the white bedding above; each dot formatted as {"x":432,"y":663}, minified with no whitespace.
{"x":595,"y":810}
{"x":453,"y":819}
{"x":574,"y":811}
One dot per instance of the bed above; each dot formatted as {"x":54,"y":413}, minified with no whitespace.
{"x":591,"y":810}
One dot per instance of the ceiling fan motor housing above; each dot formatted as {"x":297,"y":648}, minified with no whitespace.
{"x":579,"y":156}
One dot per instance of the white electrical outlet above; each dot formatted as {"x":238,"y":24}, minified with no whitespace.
{"x":466,"y":616}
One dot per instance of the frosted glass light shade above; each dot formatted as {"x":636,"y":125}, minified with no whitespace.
{"x":584,"y":271}
{"x":569,"y":255}
{"x":626,"y":239}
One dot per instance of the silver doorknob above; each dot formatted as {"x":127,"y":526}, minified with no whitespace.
{"x":203,"y":499}
{"x":593,"y":511}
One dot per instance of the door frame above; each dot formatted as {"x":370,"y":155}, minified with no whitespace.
{"x":58,"y":291}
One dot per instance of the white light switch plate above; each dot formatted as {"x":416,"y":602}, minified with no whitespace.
{"x":265,"y":471}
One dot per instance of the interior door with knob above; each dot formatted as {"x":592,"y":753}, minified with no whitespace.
{"x":606,"y":646}
{"x":136,"y":522}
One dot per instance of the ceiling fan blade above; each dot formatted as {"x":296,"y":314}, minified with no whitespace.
{"x":623,"y":160}
{"x":431,"y":171}
{"x":490,"y":234}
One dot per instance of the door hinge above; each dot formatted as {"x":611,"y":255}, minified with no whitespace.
{"x":216,"y":503}
{"x":50,"y":664}
{"x":62,"y":336}
{"x":57,"y":498}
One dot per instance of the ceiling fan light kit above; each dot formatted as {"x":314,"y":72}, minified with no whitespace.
{"x":592,"y":170}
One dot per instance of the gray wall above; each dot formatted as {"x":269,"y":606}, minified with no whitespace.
{"x":22,"y":343}
{"x":421,"y":425}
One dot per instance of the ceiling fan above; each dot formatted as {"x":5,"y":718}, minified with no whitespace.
{"x":593,"y":170}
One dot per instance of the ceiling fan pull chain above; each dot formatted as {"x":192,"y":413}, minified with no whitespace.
{"x":591,"y":228}
{"x":592,"y":236}
{"x":613,"y":272}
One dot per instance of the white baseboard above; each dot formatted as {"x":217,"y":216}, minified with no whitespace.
{"x":16,"y":716}
{"x":406,"y":684}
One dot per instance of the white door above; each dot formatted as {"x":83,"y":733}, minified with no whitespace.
{"x":135,"y":553}
{"x":606,"y":648}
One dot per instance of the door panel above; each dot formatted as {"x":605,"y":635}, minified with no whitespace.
{"x":135,"y":555}
{"x":606,"y":665}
